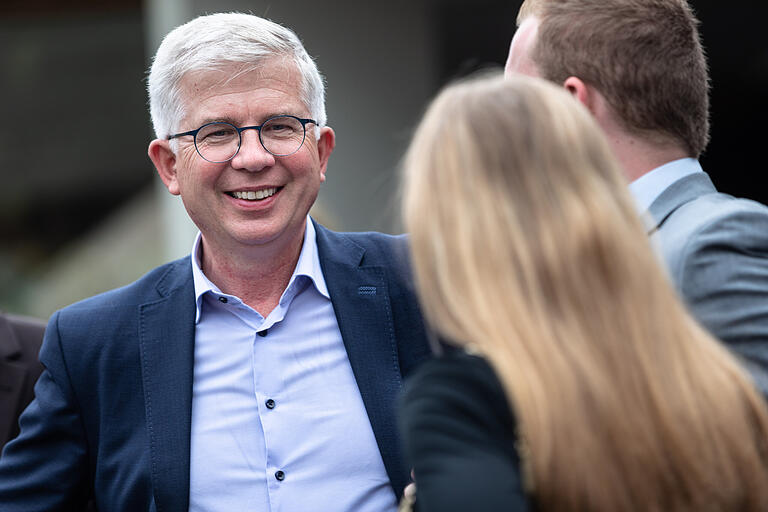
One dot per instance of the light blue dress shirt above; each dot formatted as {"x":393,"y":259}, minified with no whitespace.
{"x":278,"y":423}
{"x":648,"y":187}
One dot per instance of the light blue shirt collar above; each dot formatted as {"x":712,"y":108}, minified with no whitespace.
{"x":308,"y":266}
{"x":648,"y":187}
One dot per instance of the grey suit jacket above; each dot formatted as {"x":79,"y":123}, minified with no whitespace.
{"x":716,"y":251}
{"x":20,"y":340}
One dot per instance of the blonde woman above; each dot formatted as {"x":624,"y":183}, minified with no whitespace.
{"x":583,"y":383}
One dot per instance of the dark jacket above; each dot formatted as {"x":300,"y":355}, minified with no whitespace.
{"x":20,"y":340}
{"x":459,"y":436}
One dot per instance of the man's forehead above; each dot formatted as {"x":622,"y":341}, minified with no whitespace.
{"x":240,"y":75}
{"x":521,"y":48}
{"x":223,"y":93}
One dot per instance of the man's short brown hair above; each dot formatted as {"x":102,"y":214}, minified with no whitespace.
{"x":644,"y":56}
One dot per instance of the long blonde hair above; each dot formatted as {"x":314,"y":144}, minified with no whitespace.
{"x":526,"y":246}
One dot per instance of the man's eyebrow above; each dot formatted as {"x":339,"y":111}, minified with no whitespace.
{"x":233,"y":121}
{"x":219,"y":119}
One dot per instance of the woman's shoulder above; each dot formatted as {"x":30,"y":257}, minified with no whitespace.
{"x":464,"y":384}
{"x":459,"y":436}
{"x":455,"y":372}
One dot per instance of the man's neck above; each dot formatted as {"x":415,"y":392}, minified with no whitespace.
{"x":258,"y":275}
{"x":638,"y":156}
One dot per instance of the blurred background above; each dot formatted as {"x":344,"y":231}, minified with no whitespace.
{"x":82,"y":211}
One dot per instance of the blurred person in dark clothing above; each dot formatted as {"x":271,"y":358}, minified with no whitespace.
{"x":20,"y":339}
{"x":639,"y":68}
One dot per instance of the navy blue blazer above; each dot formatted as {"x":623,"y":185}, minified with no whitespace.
{"x":112,"y":413}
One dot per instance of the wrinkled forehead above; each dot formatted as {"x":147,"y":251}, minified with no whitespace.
{"x":237,"y":76}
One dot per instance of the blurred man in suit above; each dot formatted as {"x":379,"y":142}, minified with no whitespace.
{"x":639,"y":68}
{"x":20,"y":340}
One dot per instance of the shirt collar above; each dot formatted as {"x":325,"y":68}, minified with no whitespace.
{"x":308,"y":265}
{"x":648,"y":187}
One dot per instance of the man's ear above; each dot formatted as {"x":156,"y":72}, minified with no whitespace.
{"x":165,"y":162}
{"x":594,"y":101}
{"x":325,"y":145}
{"x":581,"y":91}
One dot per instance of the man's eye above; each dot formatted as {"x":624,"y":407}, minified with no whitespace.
{"x":216,"y":133}
{"x":278,"y":127}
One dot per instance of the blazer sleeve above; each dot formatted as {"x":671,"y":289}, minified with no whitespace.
{"x":458,"y":434}
{"x":45,"y":467}
{"x":724,"y":280}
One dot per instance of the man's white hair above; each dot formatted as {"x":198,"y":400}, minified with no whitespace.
{"x":215,"y":41}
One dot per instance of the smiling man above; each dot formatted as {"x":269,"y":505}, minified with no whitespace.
{"x":259,"y":373}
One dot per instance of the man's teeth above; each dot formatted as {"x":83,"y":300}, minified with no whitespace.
{"x":252,"y":195}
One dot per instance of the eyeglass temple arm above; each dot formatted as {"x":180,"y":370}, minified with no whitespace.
{"x":192,"y":132}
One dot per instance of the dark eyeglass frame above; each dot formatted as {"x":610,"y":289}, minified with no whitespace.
{"x":194,"y":133}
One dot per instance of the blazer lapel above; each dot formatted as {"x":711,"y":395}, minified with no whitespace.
{"x":167,"y":333}
{"x":682,"y":191}
{"x":360,"y":300}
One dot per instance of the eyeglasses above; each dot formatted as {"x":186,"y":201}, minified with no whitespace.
{"x":219,"y":142}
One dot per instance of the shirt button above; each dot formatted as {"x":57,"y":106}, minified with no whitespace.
{"x":263,"y":333}
{"x":270,"y":404}
{"x":223,"y":300}
{"x":279,"y":475}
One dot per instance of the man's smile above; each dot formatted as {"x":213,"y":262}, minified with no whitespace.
{"x":254,"y":195}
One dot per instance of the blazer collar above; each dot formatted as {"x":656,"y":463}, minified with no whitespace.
{"x":680,"y":192}
{"x":360,"y":298}
{"x":166,"y":340}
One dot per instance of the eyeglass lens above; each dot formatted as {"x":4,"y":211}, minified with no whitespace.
{"x":219,"y":142}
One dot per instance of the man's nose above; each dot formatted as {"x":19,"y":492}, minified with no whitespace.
{"x":252,"y":155}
